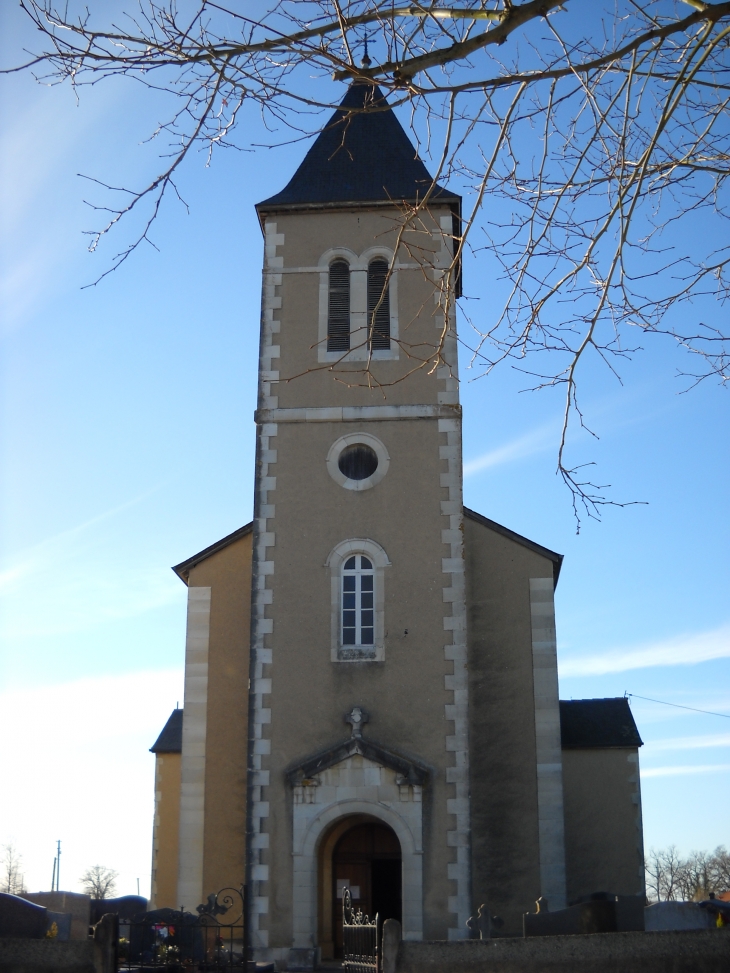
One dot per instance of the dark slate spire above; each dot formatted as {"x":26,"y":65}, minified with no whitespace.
{"x":365,"y":157}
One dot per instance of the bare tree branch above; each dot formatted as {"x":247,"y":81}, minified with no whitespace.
{"x":596,"y":134}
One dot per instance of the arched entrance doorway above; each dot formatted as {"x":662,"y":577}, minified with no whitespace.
{"x":363,"y":854}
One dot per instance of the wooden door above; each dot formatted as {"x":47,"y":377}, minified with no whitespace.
{"x":366,"y":859}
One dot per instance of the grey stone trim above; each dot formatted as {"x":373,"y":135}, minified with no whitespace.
{"x":410,"y":772}
{"x":356,"y":785}
{"x":363,"y":413}
{"x":399,"y":265}
{"x":350,"y":440}
{"x":454,"y":595}
{"x":335,"y":559}
{"x":551,"y":828}
{"x":635,"y":779}
{"x":263,"y":561}
{"x":192,"y":767}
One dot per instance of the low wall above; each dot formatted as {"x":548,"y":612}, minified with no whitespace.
{"x":695,"y":951}
{"x":48,"y":956}
{"x":73,"y":902}
{"x":95,"y":955}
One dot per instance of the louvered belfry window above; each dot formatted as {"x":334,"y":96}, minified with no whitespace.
{"x":378,"y":305}
{"x":338,"y":318}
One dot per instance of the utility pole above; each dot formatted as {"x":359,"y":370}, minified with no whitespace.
{"x":58,"y":867}
{"x":53,"y":877}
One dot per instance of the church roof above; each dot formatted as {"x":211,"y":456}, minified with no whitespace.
{"x":170,"y":740}
{"x":585,"y":724}
{"x":183,"y":569}
{"x":362,"y":155}
{"x":597,"y":723}
{"x":557,"y":559}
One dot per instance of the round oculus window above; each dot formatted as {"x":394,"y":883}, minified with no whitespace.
{"x":358,"y":461}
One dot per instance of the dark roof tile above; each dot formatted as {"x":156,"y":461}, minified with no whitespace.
{"x":362,"y":155}
{"x":170,"y":740}
{"x":596,"y":723}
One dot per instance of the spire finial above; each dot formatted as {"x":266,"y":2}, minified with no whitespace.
{"x":366,"y":62}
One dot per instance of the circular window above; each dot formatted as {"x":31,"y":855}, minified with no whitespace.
{"x":357,"y":462}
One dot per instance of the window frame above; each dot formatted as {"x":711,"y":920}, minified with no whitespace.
{"x":359,"y":330}
{"x":353,"y":439}
{"x":338,"y":557}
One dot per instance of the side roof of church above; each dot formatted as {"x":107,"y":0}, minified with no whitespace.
{"x":585,"y":724}
{"x":183,"y":569}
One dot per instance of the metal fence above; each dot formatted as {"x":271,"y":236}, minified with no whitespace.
{"x":359,"y":938}
{"x":212,"y":939}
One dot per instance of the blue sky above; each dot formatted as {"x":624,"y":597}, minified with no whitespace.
{"x":127,"y":445}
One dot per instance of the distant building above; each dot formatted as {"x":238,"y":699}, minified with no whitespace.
{"x":371,"y":687}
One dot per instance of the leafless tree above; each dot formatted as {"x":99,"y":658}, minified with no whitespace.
{"x":663,"y":869}
{"x":100,"y":882}
{"x":13,"y":880}
{"x":672,"y":878}
{"x":720,"y":870}
{"x":591,"y":142}
{"x":694,"y":879}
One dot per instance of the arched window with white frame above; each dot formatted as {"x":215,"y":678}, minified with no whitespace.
{"x":357,"y":569}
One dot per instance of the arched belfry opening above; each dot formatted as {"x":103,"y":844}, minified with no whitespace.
{"x":363,"y":854}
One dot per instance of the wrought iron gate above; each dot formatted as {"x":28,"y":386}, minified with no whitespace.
{"x":359,"y":939}
{"x":182,"y":942}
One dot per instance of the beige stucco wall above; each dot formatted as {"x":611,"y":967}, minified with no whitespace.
{"x":504,"y":816}
{"x":166,"y":832}
{"x":228,"y":574}
{"x":405,"y":696}
{"x":307,"y":515}
{"x":603,"y":829}
{"x":310,"y":235}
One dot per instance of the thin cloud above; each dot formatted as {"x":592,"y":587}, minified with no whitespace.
{"x":38,"y":556}
{"x":45,"y":553}
{"x":94,"y":586}
{"x":680,"y":771}
{"x":684,"y":650}
{"x":533,"y":442}
{"x":691,"y":743}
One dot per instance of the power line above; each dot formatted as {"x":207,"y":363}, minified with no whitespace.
{"x":694,"y":709}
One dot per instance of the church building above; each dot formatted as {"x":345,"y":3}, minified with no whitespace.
{"x":371,"y":683}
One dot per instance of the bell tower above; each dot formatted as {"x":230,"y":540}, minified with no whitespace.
{"x":358,"y":602}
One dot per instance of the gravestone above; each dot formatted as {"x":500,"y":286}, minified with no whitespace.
{"x":75,"y":903}
{"x":484,"y":925}
{"x":124,"y":906}
{"x":20,"y":919}
{"x":62,"y":922}
{"x":665,"y":916}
